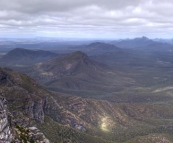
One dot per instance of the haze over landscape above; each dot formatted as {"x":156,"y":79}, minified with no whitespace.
{"x":86,"y":71}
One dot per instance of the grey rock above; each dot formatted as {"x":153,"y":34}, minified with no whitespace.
{"x":11,"y":133}
{"x":5,"y":130}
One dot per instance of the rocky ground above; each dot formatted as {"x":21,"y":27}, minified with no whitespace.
{"x":10,"y":132}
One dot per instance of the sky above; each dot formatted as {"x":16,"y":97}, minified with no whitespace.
{"x":104,"y":19}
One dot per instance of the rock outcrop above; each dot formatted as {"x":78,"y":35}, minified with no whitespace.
{"x":29,"y":135}
{"x":13,"y":133}
{"x":24,"y":93}
{"x":35,"y":110}
{"x":5,"y":130}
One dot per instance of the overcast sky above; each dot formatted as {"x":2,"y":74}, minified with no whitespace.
{"x":86,"y":18}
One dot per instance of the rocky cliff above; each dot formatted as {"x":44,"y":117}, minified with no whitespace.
{"x":5,"y":130}
{"x":25,"y":99}
{"x":10,"y":132}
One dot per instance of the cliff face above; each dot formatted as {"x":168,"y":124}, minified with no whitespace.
{"x":25,"y":103}
{"x":25,"y":97}
{"x":13,"y":133}
{"x":34,"y":109}
{"x":5,"y":131}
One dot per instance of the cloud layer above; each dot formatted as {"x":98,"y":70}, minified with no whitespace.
{"x":86,"y":18}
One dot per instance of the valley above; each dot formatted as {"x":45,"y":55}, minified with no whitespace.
{"x":92,"y":92}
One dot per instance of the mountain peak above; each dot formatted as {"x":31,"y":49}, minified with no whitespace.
{"x":78,"y":54}
{"x":144,"y":38}
{"x":96,"y":44}
{"x":17,"y":51}
{"x":101,"y":44}
{"x":68,"y":65}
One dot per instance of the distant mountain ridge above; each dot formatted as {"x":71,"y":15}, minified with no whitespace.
{"x":97,"y":48}
{"x":23,"y":57}
{"x":133,"y":43}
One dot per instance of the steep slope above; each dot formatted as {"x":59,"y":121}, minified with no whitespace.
{"x":11,"y":132}
{"x":23,"y":93}
{"x":114,"y":123}
{"x":64,"y":118}
{"x":5,"y":130}
{"x":30,"y":104}
{"x":71,"y":64}
{"x":77,"y":74}
{"x":24,"y":57}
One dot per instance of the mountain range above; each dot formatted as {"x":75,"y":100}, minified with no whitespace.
{"x":65,"y":118}
{"x":76,"y":74}
{"x":133,"y":43}
{"x":96,"y":48}
{"x":109,"y":95}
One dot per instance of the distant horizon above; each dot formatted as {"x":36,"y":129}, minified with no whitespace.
{"x":76,"y":38}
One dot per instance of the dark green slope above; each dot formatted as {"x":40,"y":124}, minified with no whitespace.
{"x":24,"y":57}
{"x":77,"y":74}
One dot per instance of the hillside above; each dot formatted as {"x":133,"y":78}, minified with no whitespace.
{"x":32,"y":105}
{"x":25,"y":57}
{"x":96,"y":48}
{"x":124,"y":59}
{"x":76,"y":74}
{"x":134,"y":43}
{"x":65,"y":118}
{"x":10,"y":132}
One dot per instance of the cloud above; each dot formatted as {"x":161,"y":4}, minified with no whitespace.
{"x":62,"y":5}
{"x":87,"y":18}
